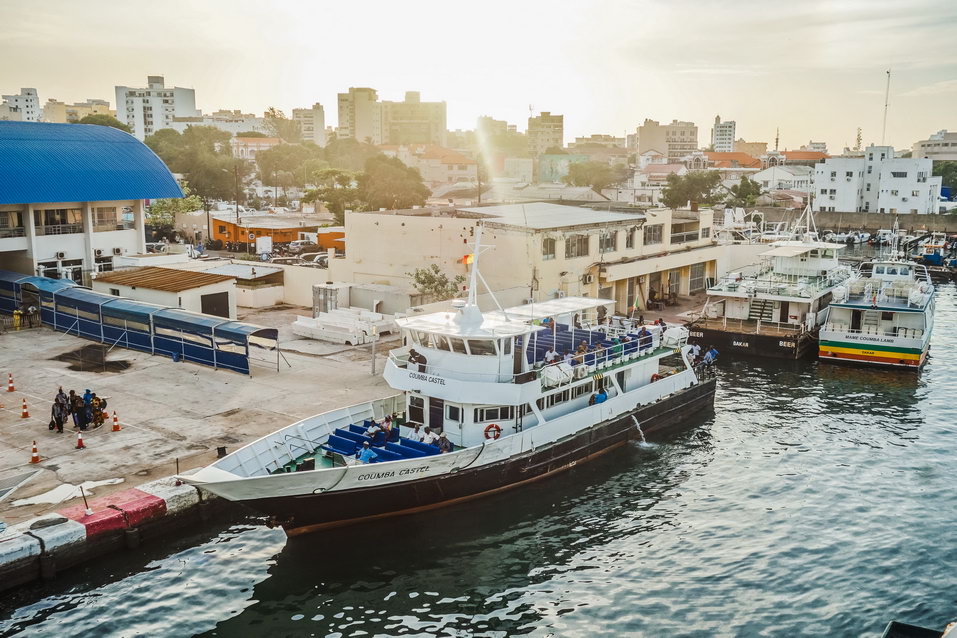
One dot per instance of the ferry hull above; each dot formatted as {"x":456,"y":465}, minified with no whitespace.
{"x":834,"y":350}
{"x":777,"y":347}
{"x":313,"y":512}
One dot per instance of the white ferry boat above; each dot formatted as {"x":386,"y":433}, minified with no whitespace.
{"x":883,"y":317}
{"x":481,"y":380}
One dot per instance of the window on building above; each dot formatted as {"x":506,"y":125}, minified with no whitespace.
{"x":696,"y":283}
{"x":115,"y":292}
{"x":915,"y":193}
{"x":823,"y":191}
{"x":104,"y":216}
{"x":868,"y":187}
{"x":849,"y":174}
{"x":630,"y":238}
{"x":868,"y":170}
{"x":705,"y":232}
{"x":833,"y":191}
{"x":894,"y":193}
{"x":608,"y":242}
{"x":548,"y":248}
{"x":576,"y":246}
{"x":653,"y":234}
{"x":833,"y":173}
{"x":899,"y":174}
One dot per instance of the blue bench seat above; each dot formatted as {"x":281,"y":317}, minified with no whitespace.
{"x":385,"y":455}
{"x":339,"y":445}
{"x":405,"y":450}
{"x":429,"y":450}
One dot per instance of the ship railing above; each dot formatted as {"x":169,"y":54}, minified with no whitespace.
{"x":591,"y":362}
{"x":896,"y":331}
{"x":752,"y":326}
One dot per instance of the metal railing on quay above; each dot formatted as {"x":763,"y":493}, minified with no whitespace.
{"x":12,"y":232}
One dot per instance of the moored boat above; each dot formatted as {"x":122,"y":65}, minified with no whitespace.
{"x":487,"y":382}
{"x":882,"y":317}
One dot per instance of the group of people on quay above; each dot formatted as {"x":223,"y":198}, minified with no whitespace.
{"x":383,"y":431}
{"x":86,"y":410}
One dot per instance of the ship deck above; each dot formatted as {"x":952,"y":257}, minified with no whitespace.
{"x":749,"y":327}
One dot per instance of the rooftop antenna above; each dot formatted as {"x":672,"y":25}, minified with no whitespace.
{"x":777,"y":137}
{"x":859,"y":140}
{"x":887,"y":95}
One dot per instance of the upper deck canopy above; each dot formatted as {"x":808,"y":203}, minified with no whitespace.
{"x":497,"y":324}
{"x":796,"y":248}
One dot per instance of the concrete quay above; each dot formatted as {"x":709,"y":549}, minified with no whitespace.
{"x":168,"y":411}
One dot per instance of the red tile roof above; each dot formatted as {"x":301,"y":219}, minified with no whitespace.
{"x":733,"y":160}
{"x":804,"y":155}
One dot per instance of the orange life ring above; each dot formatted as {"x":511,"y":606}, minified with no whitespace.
{"x":493,"y":431}
{"x":655,"y":377}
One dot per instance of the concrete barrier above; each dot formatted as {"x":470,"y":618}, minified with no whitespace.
{"x":178,"y":498}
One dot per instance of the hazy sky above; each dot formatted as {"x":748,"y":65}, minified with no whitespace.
{"x":815,"y":68}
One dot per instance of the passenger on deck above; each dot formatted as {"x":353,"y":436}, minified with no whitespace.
{"x":416,"y":434}
{"x":695,"y":352}
{"x":365,"y":453}
{"x":372,"y":430}
{"x":551,"y":355}
{"x":661,"y":322}
{"x":444,"y":444}
{"x":386,"y":426}
{"x":601,"y":397}
{"x":711,"y":356}
{"x":577,"y":322}
{"x":617,"y":348}
{"x":644,"y":338}
{"x":429,"y":436}
{"x":568,"y":359}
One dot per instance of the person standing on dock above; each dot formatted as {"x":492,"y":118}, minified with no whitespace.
{"x":61,"y":409}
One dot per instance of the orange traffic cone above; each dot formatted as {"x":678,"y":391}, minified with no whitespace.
{"x":116,"y":423}
{"x":10,"y":387}
{"x":24,"y":413}
{"x":79,"y":441}
{"x":35,"y":456}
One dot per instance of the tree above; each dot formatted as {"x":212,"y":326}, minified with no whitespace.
{"x":947,"y":170}
{"x":348,"y":154}
{"x":102,"y":119}
{"x":696,"y":186}
{"x":179,"y":150}
{"x":251,"y":134}
{"x":745,"y":193}
{"x":163,"y":212}
{"x":286,"y":158}
{"x":388,"y":183}
{"x":598,"y":175}
{"x":555,"y":150}
{"x":281,"y":126}
{"x":433,"y":282}
{"x":337,"y":191}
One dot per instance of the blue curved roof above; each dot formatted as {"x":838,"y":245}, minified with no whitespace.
{"x":42,"y":163}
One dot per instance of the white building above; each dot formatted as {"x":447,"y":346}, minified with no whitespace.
{"x":360,"y":115}
{"x":818,"y":147}
{"x":60,"y":219}
{"x":942,"y":145}
{"x":27,"y":102}
{"x":792,"y":178}
{"x":232,"y":122}
{"x":722,"y":135}
{"x":150,"y":109}
{"x":204,"y":292}
{"x":877,"y":182}
{"x":312,"y":123}
{"x":10,"y":113}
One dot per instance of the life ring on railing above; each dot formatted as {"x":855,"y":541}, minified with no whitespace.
{"x":655,"y":377}
{"x":493,"y":431}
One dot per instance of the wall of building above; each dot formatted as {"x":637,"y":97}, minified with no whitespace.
{"x":260,"y":296}
{"x":187,"y":299}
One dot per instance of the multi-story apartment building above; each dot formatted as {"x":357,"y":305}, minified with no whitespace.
{"x":544,"y":132}
{"x":150,"y":109}
{"x":877,"y":182}
{"x":10,"y":113}
{"x":819,"y":147}
{"x":436,"y":164}
{"x":312,"y":123}
{"x":60,"y":219}
{"x":413,"y":121}
{"x":942,"y":145}
{"x":360,"y":115}
{"x":675,"y":140}
{"x":722,"y":135}
{"x":27,"y":103}
{"x":59,"y":112}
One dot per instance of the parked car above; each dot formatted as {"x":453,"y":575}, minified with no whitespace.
{"x":320,"y":259}
{"x":299,"y":246}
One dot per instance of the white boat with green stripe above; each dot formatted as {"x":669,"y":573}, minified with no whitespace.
{"x":882,"y":317}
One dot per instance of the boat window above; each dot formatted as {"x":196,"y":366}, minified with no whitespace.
{"x":584,"y":388}
{"x":553,"y":399}
{"x":416,"y":409}
{"x":497,"y":413}
{"x":453,"y":413}
{"x":878,"y":270}
{"x":482,"y":347}
{"x":891,"y":270}
{"x":904,"y":270}
{"x":887,"y":316}
{"x":440,"y":342}
{"x":506,"y":346}
{"x":458,"y":345}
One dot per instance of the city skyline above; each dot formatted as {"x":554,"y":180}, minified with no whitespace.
{"x":816,"y":71}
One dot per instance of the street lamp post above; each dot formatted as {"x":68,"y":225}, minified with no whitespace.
{"x":375,"y":333}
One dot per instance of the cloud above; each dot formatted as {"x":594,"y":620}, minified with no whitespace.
{"x":937,"y":88}
{"x":720,"y":69}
